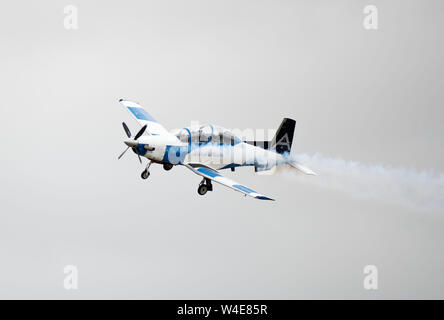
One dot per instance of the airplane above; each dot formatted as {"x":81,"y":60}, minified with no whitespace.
{"x":206,"y":149}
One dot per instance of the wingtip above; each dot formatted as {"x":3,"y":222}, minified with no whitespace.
{"x":264,"y":198}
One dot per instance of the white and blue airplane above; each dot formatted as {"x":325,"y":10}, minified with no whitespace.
{"x":208,"y":148}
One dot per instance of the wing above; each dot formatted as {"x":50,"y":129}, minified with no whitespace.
{"x":143,"y":117}
{"x":209,"y":173}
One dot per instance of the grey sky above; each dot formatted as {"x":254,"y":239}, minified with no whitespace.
{"x":369,"y":96}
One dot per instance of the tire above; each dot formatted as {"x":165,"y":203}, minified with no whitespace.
{"x":202,"y":189}
{"x":167,"y":166}
{"x":145,"y":174}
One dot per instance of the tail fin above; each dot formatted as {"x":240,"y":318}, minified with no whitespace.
{"x":283,"y":139}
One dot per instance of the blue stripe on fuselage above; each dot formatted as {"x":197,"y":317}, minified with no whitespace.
{"x":175,"y":154}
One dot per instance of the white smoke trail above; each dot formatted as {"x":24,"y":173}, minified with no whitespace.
{"x":421,"y":189}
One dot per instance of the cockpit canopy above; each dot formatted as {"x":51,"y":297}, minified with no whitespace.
{"x":207,"y":134}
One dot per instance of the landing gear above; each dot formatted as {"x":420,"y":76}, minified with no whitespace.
{"x":145,"y":173}
{"x":204,"y":186}
{"x":202,"y":189}
{"x":167,"y":166}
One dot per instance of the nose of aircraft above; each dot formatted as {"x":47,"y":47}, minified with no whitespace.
{"x":131,"y":143}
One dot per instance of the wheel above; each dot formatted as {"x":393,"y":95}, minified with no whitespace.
{"x":167,"y":166}
{"x":202,"y":189}
{"x":145,"y":174}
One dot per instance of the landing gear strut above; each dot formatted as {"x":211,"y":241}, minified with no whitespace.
{"x":145,"y":173}
{"x":204,"y":186}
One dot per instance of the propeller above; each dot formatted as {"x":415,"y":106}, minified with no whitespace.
{"x":141,"y":131}
{"x":127,"y":130}
{"x":132,"y":143}
{"x":121,"y":155}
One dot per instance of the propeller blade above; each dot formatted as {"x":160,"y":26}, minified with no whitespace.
{"x":123,"y":153}
{"x":127,"y":130}
{"x":136,"y":150}
{"x":141,"y":131}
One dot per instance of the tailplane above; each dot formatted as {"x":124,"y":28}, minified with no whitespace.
{"x":302,"y":168}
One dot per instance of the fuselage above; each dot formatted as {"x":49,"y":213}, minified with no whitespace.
{"x":213,"y":146}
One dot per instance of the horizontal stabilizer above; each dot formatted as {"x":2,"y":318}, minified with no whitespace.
{"x":302,"y":168}
{"x":261,"y":144}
